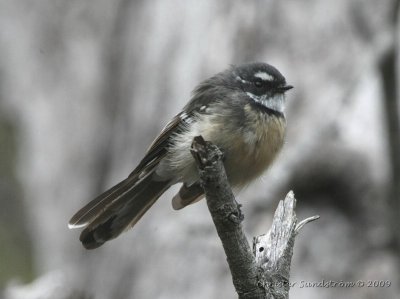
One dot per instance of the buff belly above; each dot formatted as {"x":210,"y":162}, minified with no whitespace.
{"x":248,"y":149}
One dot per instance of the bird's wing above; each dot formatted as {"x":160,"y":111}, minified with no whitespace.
{"x":159,"y":147}
{"x":154,"y":154}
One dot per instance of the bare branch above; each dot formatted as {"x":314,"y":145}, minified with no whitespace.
{"x":227,"y":218}
{"x":263,"y":273}
{"x":300,"y":225}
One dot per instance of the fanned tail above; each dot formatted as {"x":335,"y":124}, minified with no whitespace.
{"x":117,"y":209}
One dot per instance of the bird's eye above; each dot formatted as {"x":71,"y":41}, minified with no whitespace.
{"x":258,"y":83}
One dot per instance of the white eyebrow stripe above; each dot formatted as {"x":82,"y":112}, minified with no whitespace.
{"x":264,"y":76}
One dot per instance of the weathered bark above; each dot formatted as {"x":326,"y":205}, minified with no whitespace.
{"x":263,"y":273}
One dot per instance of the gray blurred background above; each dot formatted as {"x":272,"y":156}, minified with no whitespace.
{"x":85,"y":86}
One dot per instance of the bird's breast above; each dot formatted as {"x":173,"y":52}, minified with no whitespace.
{"x":253,"y":148}
{"x":249,"y":145}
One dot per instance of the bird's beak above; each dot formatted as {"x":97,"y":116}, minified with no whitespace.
{"x":284,"y":88}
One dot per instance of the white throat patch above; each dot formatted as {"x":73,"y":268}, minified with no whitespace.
{"x":276,"y":102}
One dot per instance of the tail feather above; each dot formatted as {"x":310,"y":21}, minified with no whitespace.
{"x":187,"y":195}
{"x":120,"y":208}
{"x":85,"y":215}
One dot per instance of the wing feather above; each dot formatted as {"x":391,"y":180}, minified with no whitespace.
{"x":159,"y":147}
{"x":157,"y":150}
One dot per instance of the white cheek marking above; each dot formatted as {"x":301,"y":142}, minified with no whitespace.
{"x":276,"y":102}
{"x":254,"y":97}
{"x":264,"y":76}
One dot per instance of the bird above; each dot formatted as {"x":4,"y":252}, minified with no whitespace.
{"x":240,"y":110}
